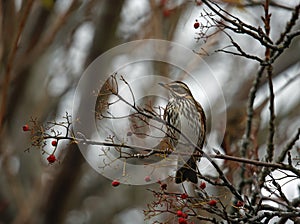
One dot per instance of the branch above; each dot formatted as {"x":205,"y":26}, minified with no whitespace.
{"x":250,"y":110}
{"x":290,"y":24}
{"x":241,"y":27}
{"x":288,"y":147}
{"x":270,"y":150}
{"x":241,"y":53}
{"x":257,"y":163}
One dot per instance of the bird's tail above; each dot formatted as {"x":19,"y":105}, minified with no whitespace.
{"x":187,"y":172}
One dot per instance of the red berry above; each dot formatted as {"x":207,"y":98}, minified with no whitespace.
{"x":239,"y":204}
{"x":147,"y":178}
{"x":54,"y":143}
{"x":196,"y":24}
{"x":184,"y":215}
{"x":163,"y":186}
{"x":202,"y":185}
{"x":182,"y":221}
{"x":212,"y":202}
{"x":179,"y":213}
{"x":51,"y":158}
{"x":26,"y":127}
{"x":115,"y":183}
{"x":184,"y":196}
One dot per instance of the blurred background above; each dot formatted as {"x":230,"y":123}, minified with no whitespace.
{"x":45,"y":45}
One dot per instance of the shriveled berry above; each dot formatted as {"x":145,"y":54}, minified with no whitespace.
{"x":212,"y":202}
{"x":26,"y":127}
{"x":51,"y":158}
{"x":115,"y":183}
{"x":184,"y":196}
{"x":239,"y":204}
{"x":163,"y":186}
{"x":202,"y":185}
{"x":147,"y":178}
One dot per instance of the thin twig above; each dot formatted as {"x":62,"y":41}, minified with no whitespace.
{"x":288,"y":147}
{"x":290,"y":24}
{"x":250,"y":110}
{"x":270,"y":150}
{"x":241,"y":53}
{"x":241,"y":27}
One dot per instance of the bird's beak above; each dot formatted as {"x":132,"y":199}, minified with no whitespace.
{"x":163,"y":85}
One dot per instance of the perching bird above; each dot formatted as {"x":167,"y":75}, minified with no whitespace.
{"x":185,"y":118}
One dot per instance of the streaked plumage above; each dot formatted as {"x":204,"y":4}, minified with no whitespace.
{"x":185,"y":114}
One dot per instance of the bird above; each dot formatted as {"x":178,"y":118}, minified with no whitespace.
{"x":185,"y":118}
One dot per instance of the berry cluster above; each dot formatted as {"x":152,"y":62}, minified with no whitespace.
{"x":51,"y":158}
{"x":55,"y":131}
{"x":182,"y":205}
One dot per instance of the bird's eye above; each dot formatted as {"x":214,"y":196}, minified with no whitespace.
{"x":179,"y":90}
